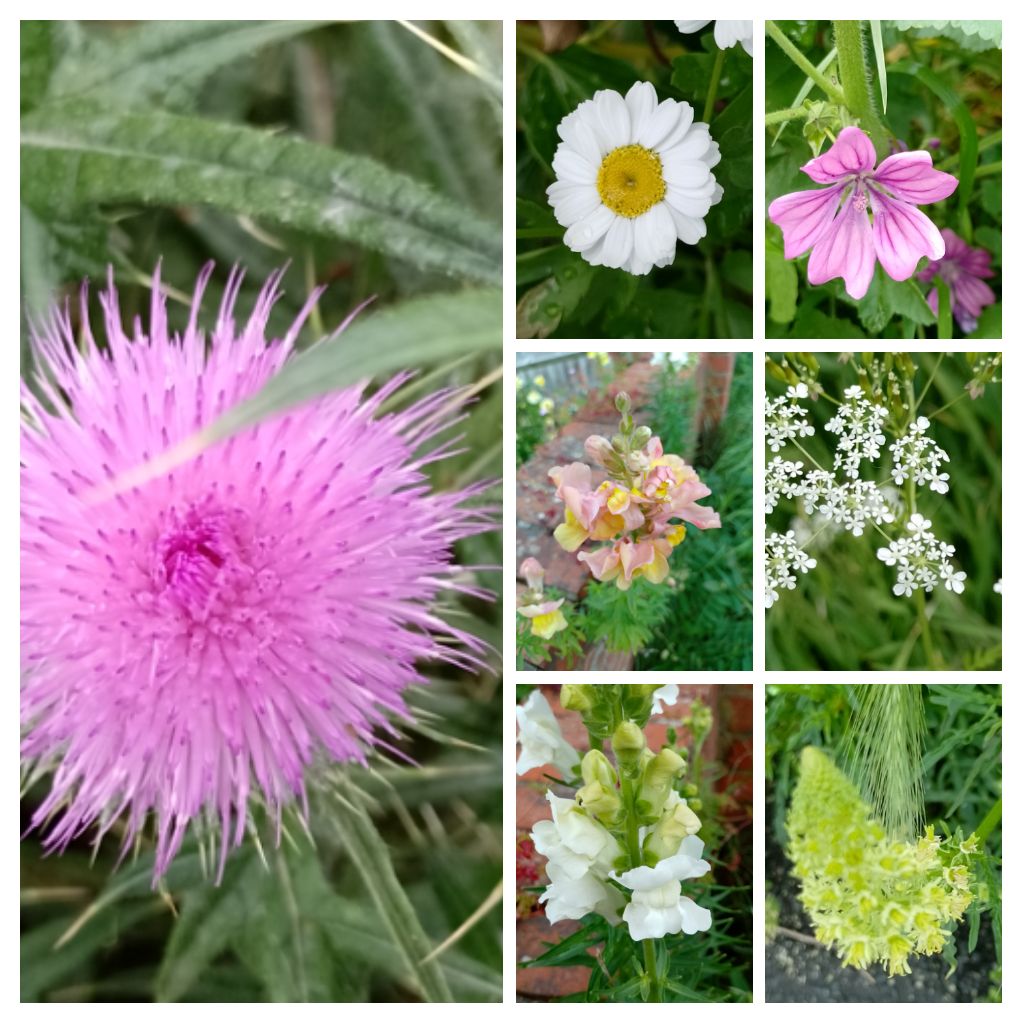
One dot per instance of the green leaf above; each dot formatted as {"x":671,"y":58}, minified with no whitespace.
{"x":38,"y":58}
{"x":78,"y":154}
{"x":990,"y":323}
{"x":164,"y":61}
{"x":813,"y":323}
{"x":945,"y":311}
{"x":780,"y":284}
{"x":421,"y":331}
{"x":370,"y":857}
{"x":887,"y":298}
{"x":543,"y":307}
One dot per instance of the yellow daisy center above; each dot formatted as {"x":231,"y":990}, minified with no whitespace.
{"x":630,"y":180}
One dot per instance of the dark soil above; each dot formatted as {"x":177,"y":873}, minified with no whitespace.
{"x":799,"y":972}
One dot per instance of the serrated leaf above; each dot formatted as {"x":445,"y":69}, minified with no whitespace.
{"x":165,"y":61}
{"x":78,"y":154}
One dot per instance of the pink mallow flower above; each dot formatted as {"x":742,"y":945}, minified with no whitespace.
{"x":834,"y":222}
{"x":192,"y":643}
{"x":962,"y":268}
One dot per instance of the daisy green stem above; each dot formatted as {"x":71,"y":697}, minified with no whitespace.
{"x":853,"y":74}
{"x":989,"y":822}
{"x":716,"y":74}
{"x":780,"y":116}
{"x":831,"y":90}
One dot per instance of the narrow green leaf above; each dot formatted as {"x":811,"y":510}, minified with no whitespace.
{"x":420,"y":331}
{"x":371,"y":858}
{"x":964,"y":122}
{"x":165,"y":61}
{"x":876,"y":41}
{"x":82,"y":153}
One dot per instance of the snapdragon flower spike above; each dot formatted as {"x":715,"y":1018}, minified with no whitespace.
{"x":193,"y":642}
{"x":963,"y":267}
{"x":834,"y":224}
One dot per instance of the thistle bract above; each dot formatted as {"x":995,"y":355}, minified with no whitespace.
{"x":194,"y":641}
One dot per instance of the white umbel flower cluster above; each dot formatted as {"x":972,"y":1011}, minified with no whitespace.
{"x":922,"y":560}
{"x":855,"y":504}
{"x":917,"y":457}
{"x":784,"y":420}
{"x":783,"y":559}
{"x":858,"y":427}
{"x":633,"y":178}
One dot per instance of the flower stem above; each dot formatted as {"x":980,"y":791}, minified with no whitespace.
{"x":833,"y":92}
{"x":853,"y":73}
{"x":716,"y":74}
{"x":651,"y":967}
{"x":789,"y":114}
{"x":926,"y":629}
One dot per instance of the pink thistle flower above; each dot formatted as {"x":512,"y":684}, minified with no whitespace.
{"x":834,"y":224}
{"x":197,"y":639}
{"x":962,"y":268}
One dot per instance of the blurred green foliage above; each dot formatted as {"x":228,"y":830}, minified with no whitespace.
{"x":942,"y":93}
{"x":843,"y":614}
{"x":709,"y":621}
{"x":370,"y":162}
{"x":706,"y":292}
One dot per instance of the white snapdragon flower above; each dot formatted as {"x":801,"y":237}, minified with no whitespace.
{"x":665,"y":695}
{"x":573,"y":842}
{"x":633,"y":177}
{"x":570,"y":899}
{"x":540,"y":738}
{"x":727,"y":33}
{"x":657,"y":906}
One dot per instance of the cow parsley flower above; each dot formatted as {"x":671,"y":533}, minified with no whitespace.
{"x":917,"y":457}
{"x":727,"y":33}
{"x":193,"y":642}
{"x":858,"y":425}
{"x":784,"y":419}
{"x":834,"y":223}
{"x":921,"y":560}
{"x":782,"y":478}
{"x":633,"y":177}
{"x":850,"y":504}
{"x":783,"y":557}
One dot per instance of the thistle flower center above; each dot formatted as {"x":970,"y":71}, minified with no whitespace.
{"x":202,"y":560}
{"x":630,"y":180}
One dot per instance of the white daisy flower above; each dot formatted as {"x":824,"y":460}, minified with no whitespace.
{"x":633,"y":175}
{"x":727,"y":33}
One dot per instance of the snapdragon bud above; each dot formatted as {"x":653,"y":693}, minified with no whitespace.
{"x":628,"y":744}
{"x":622,"y":403}
{"x":636,"y":462}
{"x":600,"y":450}
{"x":595,"y":767}
{"x":676,"y":823}
{"x":637,"y":700}
{"x":601,"y":802}
{"x":659,"y":776}
{"x":620,"y":444}
{"x":577,"y":697}
{"x":642,"y":435}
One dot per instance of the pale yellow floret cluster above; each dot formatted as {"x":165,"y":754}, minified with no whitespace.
{"x":872,"y":898}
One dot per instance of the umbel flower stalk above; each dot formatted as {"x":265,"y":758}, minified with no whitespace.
{"x":192,"y":643}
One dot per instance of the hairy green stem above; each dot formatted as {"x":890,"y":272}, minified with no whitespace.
{"x":831,"y":90}
{"x":853,"y":73}
{"x":716,"y":74}
{"x":789,"y":114}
